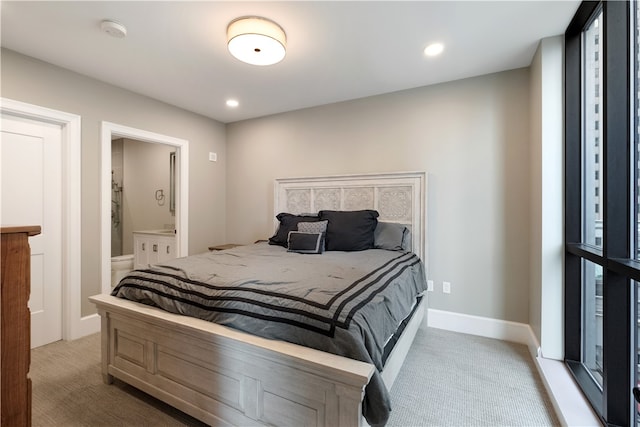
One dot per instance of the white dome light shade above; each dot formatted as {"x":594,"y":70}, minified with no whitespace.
{"x":256,"y":41}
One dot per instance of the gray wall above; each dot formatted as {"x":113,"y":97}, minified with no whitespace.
{"x":29,"y":80}
{"x":146,"y":169}
{"x":471,"y":136}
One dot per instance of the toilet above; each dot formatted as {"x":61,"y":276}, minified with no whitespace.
{"x":120,"y":266}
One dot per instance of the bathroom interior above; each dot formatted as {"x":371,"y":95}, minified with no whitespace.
{"x":142,"y":205}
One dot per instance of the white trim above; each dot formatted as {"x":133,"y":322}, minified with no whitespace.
{"x":568,"y":401}
{"x":89,"y":325}
{"x":109,"y":130}
{"x":71,"y":207}
{"x":481,"y":326}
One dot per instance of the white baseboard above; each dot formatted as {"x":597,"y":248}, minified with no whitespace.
{"x":87,"y":325}
{"x":484,"y":327}
{"x":569,"y":403}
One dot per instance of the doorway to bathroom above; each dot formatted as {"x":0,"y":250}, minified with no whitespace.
{"x":142,"y":191}
{"x":144,"y":188}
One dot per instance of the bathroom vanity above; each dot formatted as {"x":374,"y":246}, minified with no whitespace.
{"x":153,"y":247}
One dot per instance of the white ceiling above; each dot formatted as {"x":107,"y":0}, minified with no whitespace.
{"x":175,"y":51}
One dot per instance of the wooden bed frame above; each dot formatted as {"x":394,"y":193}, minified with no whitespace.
{"x":226,"y":377}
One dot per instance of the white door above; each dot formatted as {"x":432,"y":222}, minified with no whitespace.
{"x":31,"y":194}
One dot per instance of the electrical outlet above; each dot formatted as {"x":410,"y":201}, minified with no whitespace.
{"x":213,"y":157}
{"x":430,"y":285}
{"x":446,"y":287}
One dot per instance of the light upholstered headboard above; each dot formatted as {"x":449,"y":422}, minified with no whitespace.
{"x":399,"y":197}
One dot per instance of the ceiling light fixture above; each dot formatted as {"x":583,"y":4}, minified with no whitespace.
{"x":232,"y":103}
{"x":256,"y":41}
{"x":434,"y":49}
{"x":114,"y":29}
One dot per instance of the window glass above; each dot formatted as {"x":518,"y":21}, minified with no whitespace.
{"x":592,"y":319}
{"x":592,"y":207}
{"x":603,"y":223}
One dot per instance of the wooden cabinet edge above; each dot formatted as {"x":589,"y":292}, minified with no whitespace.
{"x":15,"y":325}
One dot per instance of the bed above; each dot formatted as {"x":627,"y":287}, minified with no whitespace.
{"x":224,"y":376}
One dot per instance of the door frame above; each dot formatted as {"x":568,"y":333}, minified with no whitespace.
{"x":110,"y":131}
{"x":73,"y":324}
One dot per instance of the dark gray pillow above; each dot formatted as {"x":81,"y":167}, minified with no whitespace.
{"x":350,"y":230}
{"x":306,"y":243}
{"x":288,"y":222}
{"x":390,"y":236}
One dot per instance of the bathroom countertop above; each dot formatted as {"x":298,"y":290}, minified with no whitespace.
{"x":157,"y":232}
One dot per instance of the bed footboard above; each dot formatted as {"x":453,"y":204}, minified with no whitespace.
{"x":225,"y":377}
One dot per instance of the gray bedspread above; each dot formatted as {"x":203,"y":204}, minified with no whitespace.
{"x":346,"y":303}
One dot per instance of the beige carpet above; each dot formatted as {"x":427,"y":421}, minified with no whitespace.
{"x":68,"y":391}
{"x":449,"y":379}
{"x":452,"y":379}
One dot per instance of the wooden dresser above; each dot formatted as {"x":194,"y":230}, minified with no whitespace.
{"x":15,"y":325}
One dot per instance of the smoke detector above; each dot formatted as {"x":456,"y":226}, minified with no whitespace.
{"x":114,"y":29}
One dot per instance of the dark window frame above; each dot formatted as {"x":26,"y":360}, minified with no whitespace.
{"x":614,"y":403}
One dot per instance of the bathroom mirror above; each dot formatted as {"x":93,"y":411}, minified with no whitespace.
{"x":172,"y":182}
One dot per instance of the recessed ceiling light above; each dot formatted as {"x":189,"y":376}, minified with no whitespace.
{"x":114,"y":29}
{"x":434,"y":49}
{"x":232,"y":103}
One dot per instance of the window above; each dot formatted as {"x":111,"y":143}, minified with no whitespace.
{"x":592,"y":319}
{"x":602,"y":193}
